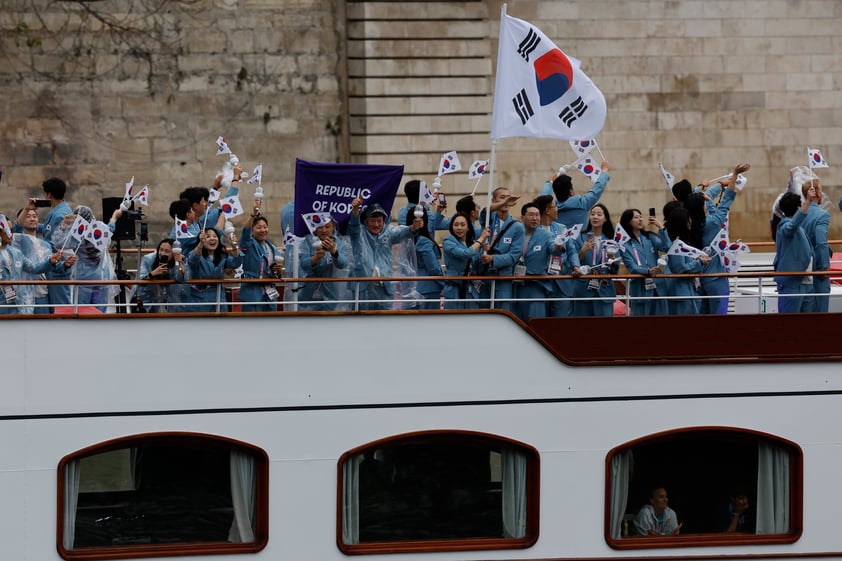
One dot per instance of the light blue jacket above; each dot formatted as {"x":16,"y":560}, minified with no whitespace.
{"x":326,"y":267}
{"x":792,"y":251}
{"x":576,"y":208}
{"x":373,"y":254}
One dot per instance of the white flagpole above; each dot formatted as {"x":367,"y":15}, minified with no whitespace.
{"x":491,"y":175}
{"x":601,"y":155}
{"x":477,"y":185}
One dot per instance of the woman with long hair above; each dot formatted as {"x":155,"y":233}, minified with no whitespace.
{"x":680,"y":227}
{"x":595,"y":296}
{"x":641,"y":258}
{"x":707,"y":221}
{"x":209,"y":260}
{"x":461,"y":256}
{"x":259,"y":262}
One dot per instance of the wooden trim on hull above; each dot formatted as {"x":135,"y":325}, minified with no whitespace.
{"x":691,"y":339}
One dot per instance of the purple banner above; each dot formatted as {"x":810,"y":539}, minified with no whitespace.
{"x":324,"y":187}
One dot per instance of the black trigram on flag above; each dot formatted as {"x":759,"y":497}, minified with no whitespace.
{"x":522,"y":106}
{"x":529,"y":44}
{"x":573,"y":111}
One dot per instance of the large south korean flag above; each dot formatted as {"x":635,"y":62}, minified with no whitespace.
{"x":540,"y":91}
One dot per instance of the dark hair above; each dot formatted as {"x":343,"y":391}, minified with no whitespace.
{"x":682,"y":190}
{"x":626,"y":218}
{"x":469,"y":235}
{"x":543,"y":203}
{"x":412,"y":189}
{"x":180,"y":208}
{"x":789,"y":204}
{"x":608,"y":227}
{"x":527,"y":206}
{"x":157,"y":260}
{"x":259,"y":218}
{"x":695,"y":205}
{"x":562,"y":187}
{"x":410,"y":218}
{"x":195,"y":194}
{"x":677,"y":225}
{"x":55,"y":187}
{"x":219,"y":252}
{"x":466,"y":205}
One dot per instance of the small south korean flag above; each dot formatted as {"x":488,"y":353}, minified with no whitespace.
{"x":668,"y":177}
{"x":816,"y":158}
{"x":316,"y":220}
{"x":477,"y":169}
{"x":449,"y":163}
{"x":425,"y":196}
{"x":582,"y":147}
{"x":587,"y":166}
{"x":222,"y":146}
{"x":231,"y":207}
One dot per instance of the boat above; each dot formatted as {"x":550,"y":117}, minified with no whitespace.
{"x":442,"y":435}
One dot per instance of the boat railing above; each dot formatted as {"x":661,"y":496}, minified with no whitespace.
{"x":750,"y":292}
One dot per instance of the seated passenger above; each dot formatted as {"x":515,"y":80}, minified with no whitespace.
{"x":739,"y":514}
{"x":657,"y":518}
{"x":159,"y":298}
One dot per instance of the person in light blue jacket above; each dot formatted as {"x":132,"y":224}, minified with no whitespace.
{"x":436,"y":220}
{"x":564,"y":263}
{"x":209,"y":260}
{"x":427,"y":260}
{"x":815,"y":226}
{"x":687,"y":301}
{"x":372,"y":243}
{"x":323,"y":254}
{"x":641,"y":258}
{"x":538,"y":247}
{"x":572,"y":208}
{"x":596,"y":296}
{"x":793,"y":254}
{"x":501,"y":252}
{"x":461,"y":257}
{"x":706,"y":227}
{"x":259,"y":262}
{"x":54,"y":191}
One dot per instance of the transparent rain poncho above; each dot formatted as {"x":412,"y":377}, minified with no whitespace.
{"x":37,"y":251}
{"x":91,"y":264}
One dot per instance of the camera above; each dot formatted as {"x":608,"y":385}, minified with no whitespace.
{"x":42,"y":203}
{"x":130,"y":225}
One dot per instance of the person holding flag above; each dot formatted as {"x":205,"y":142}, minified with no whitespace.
{"x":92,"y":259}
{"x":372,"y":243}
{"x":209,"y":260}
{"x":572,"y":208}
{"x":705,"y":227}
{"x":641,"y":258}
{"x":566,"y":263}
{"x":793,"y":253}
{"x":261,"y":260}
{"x":322,"y":254}
{"x":502,"y":251}
{"x":596,"y":296}
{"x":38,"y":251}
{"x":815,"y":226}
{"x":679,"y":229}
{"x":427,"y":259}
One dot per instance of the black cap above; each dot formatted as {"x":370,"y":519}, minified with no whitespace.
{"x":373,"y":210}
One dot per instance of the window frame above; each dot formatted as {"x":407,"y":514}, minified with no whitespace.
{"x":796,"y":478}
{"x":456,"y":544}
{"x":261,"y":530}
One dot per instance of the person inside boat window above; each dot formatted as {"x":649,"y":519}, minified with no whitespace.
{"x":740,"y":517}
{"x":657,"y":518}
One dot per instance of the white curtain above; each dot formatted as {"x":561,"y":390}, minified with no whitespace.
{"x":242,"y":497}
{"x":351,"y":500}
{"x":514,"y":494}
{"x":621,"y":466}
{"x":772,"y":490}
{"x":71,"y":500}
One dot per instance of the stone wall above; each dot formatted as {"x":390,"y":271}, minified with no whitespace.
{"x":98,"y":92}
